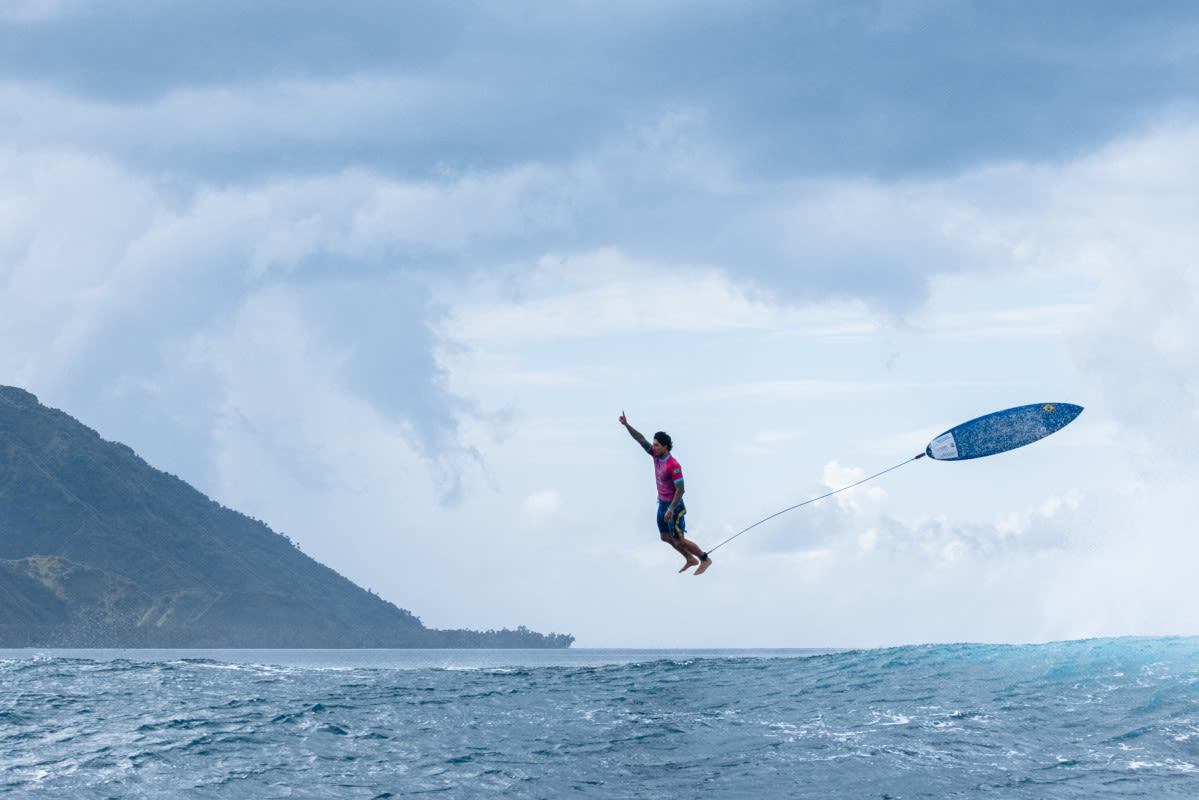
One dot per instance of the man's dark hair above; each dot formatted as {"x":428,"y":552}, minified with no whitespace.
{"x":664,"y":439}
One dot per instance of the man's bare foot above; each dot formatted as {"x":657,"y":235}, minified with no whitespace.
{"x":691,"y":562}
{"x":703,"y":566}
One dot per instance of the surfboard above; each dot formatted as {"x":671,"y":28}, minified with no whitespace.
{"x":982,"y":436}
{"x":1001,"y":430}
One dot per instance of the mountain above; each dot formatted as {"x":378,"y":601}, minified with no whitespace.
{"x":99,"y":549}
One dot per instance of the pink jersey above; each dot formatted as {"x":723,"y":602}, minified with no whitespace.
{"x":668,"y":473}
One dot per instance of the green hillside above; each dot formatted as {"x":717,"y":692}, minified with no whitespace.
{"x":99,"y":549}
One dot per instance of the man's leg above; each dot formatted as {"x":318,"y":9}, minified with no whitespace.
{"x":680,"y":544}
{"x":690,"y":550}
{"x":695,"y":555}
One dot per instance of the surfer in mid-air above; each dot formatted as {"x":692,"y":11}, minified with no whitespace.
{"x":671,"y":511}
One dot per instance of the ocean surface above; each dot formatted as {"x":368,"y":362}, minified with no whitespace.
{"x":1087,"y":719}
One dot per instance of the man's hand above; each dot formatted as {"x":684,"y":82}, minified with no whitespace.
{"x":623,"y":420}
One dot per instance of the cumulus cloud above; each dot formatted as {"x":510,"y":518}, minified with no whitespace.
{"x":114,"y":292}
{"x":1140,"y":340}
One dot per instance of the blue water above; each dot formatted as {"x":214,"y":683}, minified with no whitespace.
{"x":1089,"y":719}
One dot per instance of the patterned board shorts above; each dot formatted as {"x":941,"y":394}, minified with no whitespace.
{"x":678,"y":523}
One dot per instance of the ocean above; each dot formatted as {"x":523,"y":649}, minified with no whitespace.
{"x":1085,"y":719}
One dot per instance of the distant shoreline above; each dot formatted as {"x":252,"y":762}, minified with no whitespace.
{"x":416,"y":658}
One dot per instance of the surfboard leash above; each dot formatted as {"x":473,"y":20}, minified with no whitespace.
{"x":816,"y":499}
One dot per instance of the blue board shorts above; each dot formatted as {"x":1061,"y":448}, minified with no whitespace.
{"x":677,"y":525}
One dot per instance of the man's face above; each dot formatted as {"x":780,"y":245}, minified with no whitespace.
{"x":657,"y":449}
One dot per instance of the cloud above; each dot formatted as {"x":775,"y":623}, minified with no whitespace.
{"x":831,"y":87}
{"x":120,"y":288}
{"x":838,"y":478}
{"x":603,"y":292}
{"x":541,"y":506}
{"x":63,"y":251}
{"x":37,"y":11}
{"x":1140,"y":340}
{"x":769,"y":442}
{"x":251,"y":130}
{"x":798,"y":389}
{"x":1129,"y":572}
{"x":301,"y":258}
{"x":1049,"y":320}
{"x":132,"y":50}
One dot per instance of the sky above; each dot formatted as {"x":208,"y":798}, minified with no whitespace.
{"x":384,"y":275}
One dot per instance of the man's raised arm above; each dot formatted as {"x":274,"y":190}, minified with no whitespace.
{"x":634,"y":432}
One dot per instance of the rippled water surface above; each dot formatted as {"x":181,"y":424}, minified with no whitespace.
{"x":1092,"y":719}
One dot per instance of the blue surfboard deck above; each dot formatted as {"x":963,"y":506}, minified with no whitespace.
{"x":1001,"y":431}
